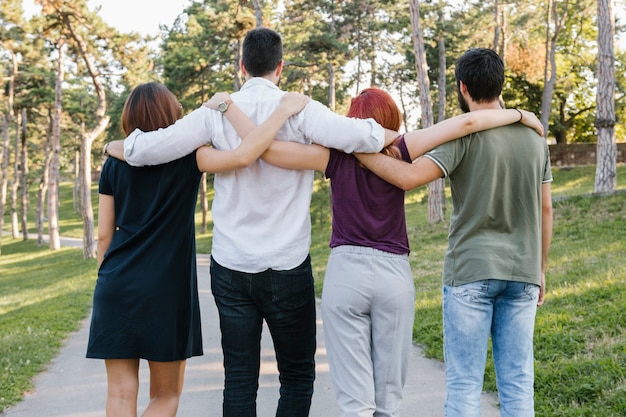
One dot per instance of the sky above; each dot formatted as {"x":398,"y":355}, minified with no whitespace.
{"x":143,"y":16}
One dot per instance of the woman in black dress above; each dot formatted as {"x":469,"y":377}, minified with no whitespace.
{"x":146,"y":298}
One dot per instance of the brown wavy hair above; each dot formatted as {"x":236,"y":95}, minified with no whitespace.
{"x":150,"y":106}
{"x":379,"y":105}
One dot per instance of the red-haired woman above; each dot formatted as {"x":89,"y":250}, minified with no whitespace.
{"x":145,"y":303}
{"x":368,"y":295}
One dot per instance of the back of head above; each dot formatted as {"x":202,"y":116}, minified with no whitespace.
{"x":482,"y":71}
{"x":376,"y":104}
{"x":150,"y":106}
{"x":262,"y":51}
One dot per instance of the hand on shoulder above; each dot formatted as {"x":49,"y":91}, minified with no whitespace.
{"x":217,"y":98}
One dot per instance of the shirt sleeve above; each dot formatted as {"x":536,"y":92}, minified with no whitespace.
{"x":325,"y":127}
{"x":104,"y":184}
{"x":448,"y":155}
{"x":547,"y":170}
{"x":165,"y":145}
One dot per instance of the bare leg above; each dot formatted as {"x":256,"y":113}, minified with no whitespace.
{"x":123,"y":386}
{"x":166,"y":385}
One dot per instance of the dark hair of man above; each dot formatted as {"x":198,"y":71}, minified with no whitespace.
{"x":262,"y":51}
{"x":482,"y":71}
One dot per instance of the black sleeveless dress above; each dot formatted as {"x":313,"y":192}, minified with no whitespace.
{"x":145,"y":303}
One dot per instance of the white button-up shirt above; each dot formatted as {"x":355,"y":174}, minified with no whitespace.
{"x":260,"y":213}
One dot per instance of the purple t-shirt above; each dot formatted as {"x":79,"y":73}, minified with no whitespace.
{"x":367,"y":210}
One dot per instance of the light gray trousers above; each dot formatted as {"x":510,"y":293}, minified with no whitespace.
{"x":368,"y":307}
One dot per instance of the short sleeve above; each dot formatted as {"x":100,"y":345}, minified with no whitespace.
{"x":105,"y":183}
{"x":547,"y":170}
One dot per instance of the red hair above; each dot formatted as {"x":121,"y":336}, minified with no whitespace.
{"x":150,"y":106}
{"x":379,"y":105}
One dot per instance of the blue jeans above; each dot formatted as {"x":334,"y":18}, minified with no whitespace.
{"x":286,"y":301}
{"x":471,"y":312}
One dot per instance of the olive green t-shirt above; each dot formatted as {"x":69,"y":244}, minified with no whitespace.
{"x":496,"y":178}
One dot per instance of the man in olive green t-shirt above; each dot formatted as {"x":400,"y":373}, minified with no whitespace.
{"x":500,"y":233}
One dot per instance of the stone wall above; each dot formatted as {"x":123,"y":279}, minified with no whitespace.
{"x":580,"y":154}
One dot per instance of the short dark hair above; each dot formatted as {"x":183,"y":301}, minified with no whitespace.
{"x":482,"y":71}
{"x":262,"y":51}
{"x":148,"y":107}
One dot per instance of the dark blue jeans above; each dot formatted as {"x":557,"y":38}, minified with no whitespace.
{"x":286,"y":301}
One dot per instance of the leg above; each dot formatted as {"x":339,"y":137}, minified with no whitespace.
{"x":512,"y":336}
{"x":467,"y":315}
{"x":393,"y":312}
{"x":241,"y":326}
{"x":288,"y":304}
{"x":346,"y":307}
{"x":166,"y":385}
{"x":123,"y":386}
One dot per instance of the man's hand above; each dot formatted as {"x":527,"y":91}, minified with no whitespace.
{"x":115,"y":149}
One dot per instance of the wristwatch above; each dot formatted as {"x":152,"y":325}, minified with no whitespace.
{"x":105,"y":149}
{"x":224,"y":105}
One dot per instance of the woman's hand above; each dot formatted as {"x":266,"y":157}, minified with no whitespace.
{"x":217,"y":98}
{"x":293,"y":103}
{"x":529,"y":119}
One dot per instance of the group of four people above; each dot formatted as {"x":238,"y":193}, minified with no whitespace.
{"x":146,"y":303}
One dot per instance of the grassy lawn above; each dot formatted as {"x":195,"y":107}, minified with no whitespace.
{"x":580,"y":331}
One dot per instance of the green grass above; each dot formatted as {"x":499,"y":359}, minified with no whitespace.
{"x":44,"y":296}
{"x":580,"y":343}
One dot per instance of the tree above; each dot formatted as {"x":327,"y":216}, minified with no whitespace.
{"x":606,"y":166}
{"x":435,"y":188}
{"x":558,"y":11}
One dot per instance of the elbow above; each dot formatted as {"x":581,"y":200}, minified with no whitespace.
{"x":406,"y":186}
{"x":245,"y":161}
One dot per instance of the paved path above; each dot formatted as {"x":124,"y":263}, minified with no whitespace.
{"x":74,"y":386}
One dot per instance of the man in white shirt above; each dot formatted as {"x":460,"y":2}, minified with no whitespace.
{"x":260,"y":264}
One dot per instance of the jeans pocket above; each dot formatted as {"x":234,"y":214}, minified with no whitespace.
{"x":221,"y":279}
{"x":293,"y":288}
{"x":532,"y":291}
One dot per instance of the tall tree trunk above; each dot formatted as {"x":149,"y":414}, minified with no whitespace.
{"x":550,"y":71}
{"x":4,"y":180}
{"x":441,"y":45}
{"x":43,"y":183}
{"x":53,"y":190}
{"x":86,"y":209}
{"x":15,"y":183}
{"x":76,"y":187}
{"x":102,"y":120}
{"x":237,"y":81}
{"x":258,"y":12}
{"x":497,"y":27}
{"x":24,"y":178}
{"x":435,"y":188}
{"x":331,"y":86}
{"x":606,"y":165}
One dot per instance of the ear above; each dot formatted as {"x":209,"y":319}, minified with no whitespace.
{"x":242,"y":68}
{"x":463,"y":88}
{"x":279,"y":68}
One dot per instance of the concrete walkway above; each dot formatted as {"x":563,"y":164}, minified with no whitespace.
{"x":74,"y":386}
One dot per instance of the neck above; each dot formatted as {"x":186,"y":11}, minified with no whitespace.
{"x":495,"y":104}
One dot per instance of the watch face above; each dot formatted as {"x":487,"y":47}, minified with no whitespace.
{"x":222,"y":107}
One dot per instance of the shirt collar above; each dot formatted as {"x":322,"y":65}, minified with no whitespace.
{"x":259,"y":81}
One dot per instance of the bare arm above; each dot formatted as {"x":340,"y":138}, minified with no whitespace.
{"x":115,"y":149}
{"x":546,"y":235}
{"x":404,"y":175}
{"x":294,"y":155}
{"x":421,"y":141}
{"x":106,"y":224}
{"x":255,"y":140}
